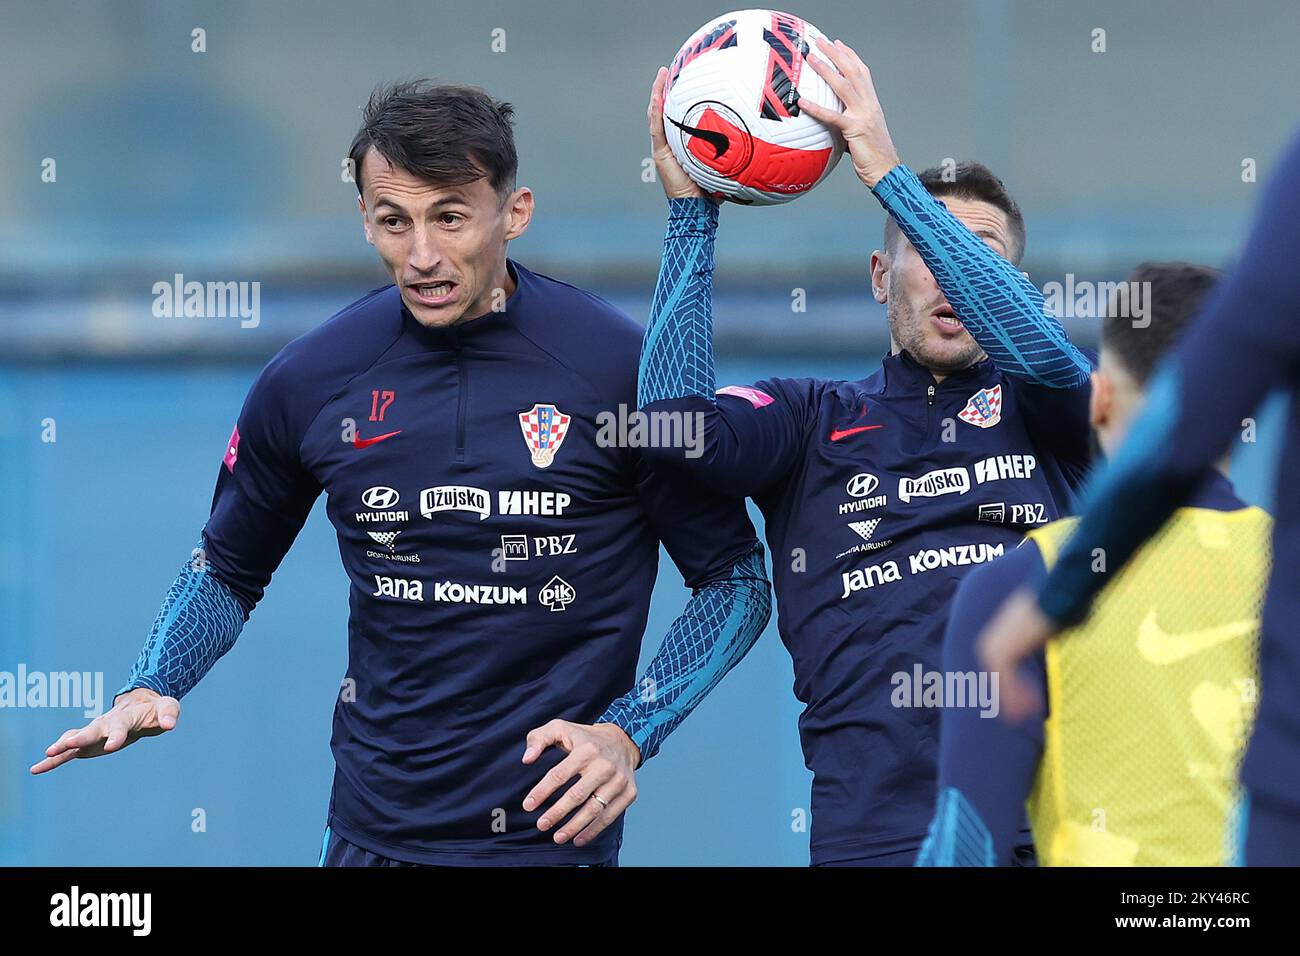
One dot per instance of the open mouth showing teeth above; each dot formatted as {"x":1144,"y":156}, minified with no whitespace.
{"x":947,"y":317}
{"x":435,"y":290}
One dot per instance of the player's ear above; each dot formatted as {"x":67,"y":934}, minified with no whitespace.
{"x":1101,"y":401}
{"x":365,"y":220}
{"x":519,"y":212}
{"x":880,"y":276}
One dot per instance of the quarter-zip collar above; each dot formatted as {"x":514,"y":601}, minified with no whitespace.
{"x":904,"y":375}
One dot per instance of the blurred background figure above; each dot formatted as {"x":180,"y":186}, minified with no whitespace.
{"x":1243,"y":344}
{"x":1150,"y":702}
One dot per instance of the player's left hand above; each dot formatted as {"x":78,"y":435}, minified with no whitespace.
{"x":862,"y":124}
{"x":603,"y":758}
{"x":1017,"y":630}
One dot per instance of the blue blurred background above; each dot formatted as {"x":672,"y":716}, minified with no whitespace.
{"x":226,"y":165}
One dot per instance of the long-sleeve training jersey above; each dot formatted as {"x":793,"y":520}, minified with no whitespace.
{"x":1245,"y":342}
{"x":878,"y":495}
{"x":501,"y":543}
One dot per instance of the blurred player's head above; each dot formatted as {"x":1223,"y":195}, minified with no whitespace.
{"x":1132,"y":348}
{"x":435,"y":168}
{"x":920,"y":319}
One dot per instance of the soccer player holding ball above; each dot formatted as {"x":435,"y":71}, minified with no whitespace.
{"x":880,"y":493}
{"x":501,"y":556}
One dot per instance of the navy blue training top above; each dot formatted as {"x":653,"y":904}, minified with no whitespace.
{"x":879,"y":496}
{"x":501,"y":557}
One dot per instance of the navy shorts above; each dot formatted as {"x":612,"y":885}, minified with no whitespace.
{"x":1023,"y":855}
{"x":336,"y":851}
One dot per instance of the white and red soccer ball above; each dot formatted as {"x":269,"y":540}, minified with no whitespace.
{"x":731,"y":108}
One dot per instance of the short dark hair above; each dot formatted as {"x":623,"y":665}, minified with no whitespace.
{"x":447,"y":134}
{"x":1174,"y":293}
{"x":969,"y":180}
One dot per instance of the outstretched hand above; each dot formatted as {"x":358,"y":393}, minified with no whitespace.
{"x":139,"y":713}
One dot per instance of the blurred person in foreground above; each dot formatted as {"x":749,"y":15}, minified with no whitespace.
{"x":1244,"y":343}
{"x":1149,"y":700}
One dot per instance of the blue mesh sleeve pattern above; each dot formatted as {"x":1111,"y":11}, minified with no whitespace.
{"x":1002,"y":310}
{"x":677,"y":353}
{"x":718,"y":626}
{"x":197,"y":623}
{"x":957,"y":837}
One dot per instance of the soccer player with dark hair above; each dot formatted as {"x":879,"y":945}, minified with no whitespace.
{"x":501,"y":553}
{"x":1244,"y":343}
{"x":881,"y":493}
{"x":1151,"y":699}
